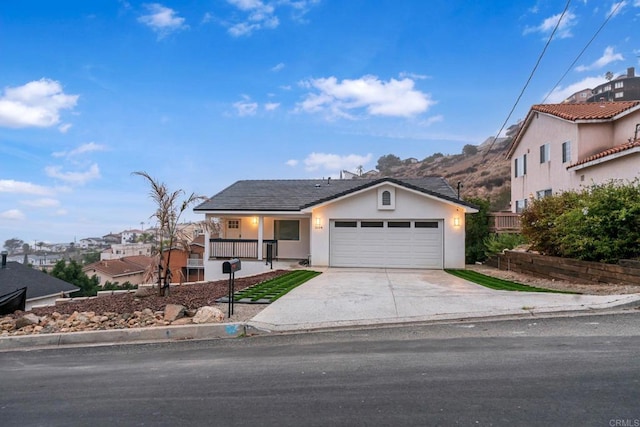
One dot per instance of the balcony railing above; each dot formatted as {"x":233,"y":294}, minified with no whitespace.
{"x":195,"y":263}
{"x":239,"y":248}
{"x":504,"y":222}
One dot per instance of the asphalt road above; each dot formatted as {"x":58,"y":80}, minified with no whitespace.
{"x":582,"y":371}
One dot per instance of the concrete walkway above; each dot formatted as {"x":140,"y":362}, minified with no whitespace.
{"x":352,"y":297}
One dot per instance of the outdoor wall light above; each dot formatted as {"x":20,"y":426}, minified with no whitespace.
{"x":456,"y":221}
{"x":255,"y":220}
{"x":318,"y":222}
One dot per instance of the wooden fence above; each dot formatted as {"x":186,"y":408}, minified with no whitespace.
{"x":567,"y":269}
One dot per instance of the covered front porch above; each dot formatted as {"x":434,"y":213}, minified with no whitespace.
{"x":261,"y":242}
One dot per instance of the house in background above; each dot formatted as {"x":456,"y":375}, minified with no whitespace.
{"x":130,"y":269}
{"x":187,"y":265}
{"x":385,"y":223}
{"x":570,"y":146}
{"x":117,"y":251}
{"x":42,"y":289}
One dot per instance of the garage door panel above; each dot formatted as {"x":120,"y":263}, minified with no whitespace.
{"x":398,"y":247}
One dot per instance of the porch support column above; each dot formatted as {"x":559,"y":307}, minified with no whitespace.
{"x":260,"y":233}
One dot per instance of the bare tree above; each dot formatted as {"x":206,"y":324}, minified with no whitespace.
{"x":168,"y":212}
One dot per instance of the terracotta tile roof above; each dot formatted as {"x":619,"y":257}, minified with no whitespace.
{"x":122,"y":266}
{"x":586,"y":111}
{"x":613,"y":150}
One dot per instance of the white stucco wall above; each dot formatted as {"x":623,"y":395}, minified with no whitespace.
{"x":409,"y":205}
{"x":586,"y":139}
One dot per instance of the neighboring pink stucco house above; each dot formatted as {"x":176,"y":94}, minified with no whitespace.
{"x":569,"y":146}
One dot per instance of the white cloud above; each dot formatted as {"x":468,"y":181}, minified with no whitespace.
{"x":280,"y":66}
{"x":616,"y":8}
{"x":562,"y":93}
{"x":11,"y":186}
{"x":84,"y":148}
{"x":162,"y":20}
{"x":13,"y":215}
{"x":75,"y":178}
{"x":246,"y":107}
{"x":564,"y":29}
{"x":270,"y":106}
{"x":258,"y":15}
{"x":41,"y":203}
{"x":433,"y":119}
{"x":395,"y":98}
{"x":37,"y":103}
{"x":334,"y":162}
{"x":64,"y":128}
{"x":607,"y":57}
{"x":292,"y":162}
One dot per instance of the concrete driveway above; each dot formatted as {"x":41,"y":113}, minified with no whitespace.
{"x":353,"y":296}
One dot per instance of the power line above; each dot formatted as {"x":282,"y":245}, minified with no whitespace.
{"x":566,"y":7}
{"x":613,"y":12}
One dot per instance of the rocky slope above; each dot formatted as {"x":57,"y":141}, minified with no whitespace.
{"x":484,"y":172}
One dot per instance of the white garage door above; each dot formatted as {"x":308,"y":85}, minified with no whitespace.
{"x":378,"y":243}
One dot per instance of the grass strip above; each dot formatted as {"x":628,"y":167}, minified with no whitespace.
{"x":500,"y":284}
{"x":275,"y":288}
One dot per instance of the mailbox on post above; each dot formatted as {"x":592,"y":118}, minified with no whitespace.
{"x":230,"y":267}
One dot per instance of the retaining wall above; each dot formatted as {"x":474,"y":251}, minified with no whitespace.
{"x":573,"y":270}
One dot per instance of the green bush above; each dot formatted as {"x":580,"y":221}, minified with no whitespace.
{"x":496,"y":243}
{"x":72,"y":273}
{"x":601,"y":223}
{"x":476,"y":231}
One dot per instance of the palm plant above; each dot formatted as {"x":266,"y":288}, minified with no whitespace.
{"x":169,"y":209}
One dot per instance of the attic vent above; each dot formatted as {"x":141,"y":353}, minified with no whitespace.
{"x":386,"y":198}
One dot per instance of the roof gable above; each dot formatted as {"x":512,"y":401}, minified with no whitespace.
{"x":591,"y":112}
{"x":296,"y":195}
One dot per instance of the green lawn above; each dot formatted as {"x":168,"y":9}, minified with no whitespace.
{"x":273,"y":289}
{"x":499,"y":284}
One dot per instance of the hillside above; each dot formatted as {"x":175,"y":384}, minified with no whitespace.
{"x":483,"y":171}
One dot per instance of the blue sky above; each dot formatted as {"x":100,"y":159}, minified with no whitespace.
{"x":200,"y":93}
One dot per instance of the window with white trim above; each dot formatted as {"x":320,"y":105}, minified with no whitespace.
{"x":566,"y":151}
{"x":541,"y":194}
{"x":618,"y":85}
{"x":618,"y":95}
{"x":520,"y":165}
{"x":286,"y":229}
{"x":521,"y":205}
{"x":545,"y":151}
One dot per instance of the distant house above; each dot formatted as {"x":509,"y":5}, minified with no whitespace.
{"x":42,"y":289}
{"x":127,"y":269}
{"x":625,"y":87}
{"x":129,"y":249}
{"x":568,"y":146}
{"x":187,"y":265}
{"x":112,"y":238}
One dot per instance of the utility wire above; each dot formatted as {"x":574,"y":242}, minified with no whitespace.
{"x":613,"y":12}
{"x":566,"y":7}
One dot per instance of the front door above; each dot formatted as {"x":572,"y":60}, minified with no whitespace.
{"x":234,"y":230}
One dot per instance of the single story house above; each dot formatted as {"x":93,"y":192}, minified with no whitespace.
{"x":130,"y":269}
{"x":383,"y":222}
{"x":42,"y":289}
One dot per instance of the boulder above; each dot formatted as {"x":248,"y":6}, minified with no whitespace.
{"x":208,"y":314}
{"x":143,"y":292}
{"x":27,"y":320}
{"x":174,"y":312}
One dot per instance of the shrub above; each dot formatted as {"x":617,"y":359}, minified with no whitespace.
{"x":476,"y":231}
{"x":600,"y":223}
{"x":496,"y":243}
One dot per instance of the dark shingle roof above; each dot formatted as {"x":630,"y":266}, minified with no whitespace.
{"x":39,"y":284}
{"x":295,"y":195}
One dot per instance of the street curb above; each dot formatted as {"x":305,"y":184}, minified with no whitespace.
{"x":124,"y":336}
